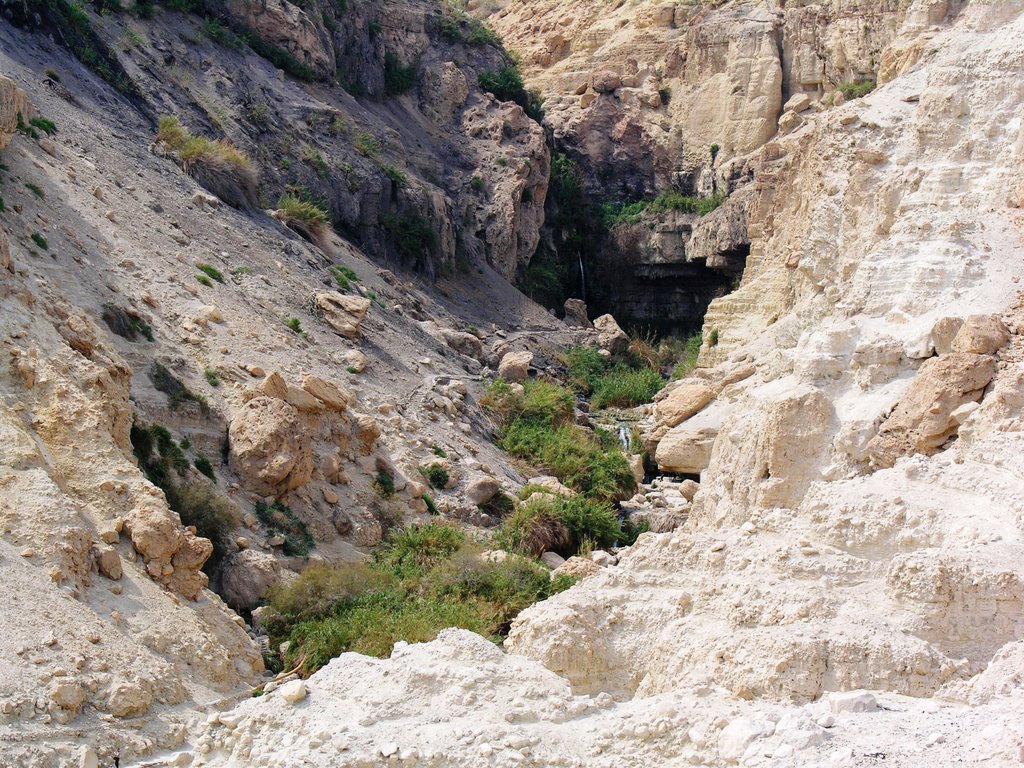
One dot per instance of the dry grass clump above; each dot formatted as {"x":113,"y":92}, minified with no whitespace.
{"x":215,"y":163}
{"x":301,"y":214}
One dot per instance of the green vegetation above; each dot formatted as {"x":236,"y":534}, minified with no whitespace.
{"x":365,"y":144}
{"x":397,"y":78}
{"x":476,"y":183}
{"x":210,"y":271}
{"x":199,"y":150}
{"x":439,"y":451}
{"x":538,"y":426}
{"x":856,"y":90}
{"x":291,"y":209}
{"x":624,"y":384}
{"x":412,"y":237}
{"x":688,"y":362}
{"x":279,"y":518}
{"x":196,"y":501}
{"x":436,"y":475}
{"x":384,"y":484}
{"x":613,"y":214}
{"x":396,"y":176}
{"x":343,"y":276}
{"x":505,"y":85}
{"x":29,"y":129}
{"x":203,"y":465}
{"x":40,"y":241}
{"x":315,"y":160}
{"x":205,"y":280}
{"x":423,"y":579}
{"x":35,"y":189}
{"x":294,"y":325}
{"x":458,"y":26}
{"x":125,"y":324}
{"x":212,"y":377}
{"x":176,"y":391}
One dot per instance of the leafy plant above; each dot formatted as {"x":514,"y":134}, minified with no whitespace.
{"x":397,"y":78}
{"x":176,"y":391}
{"x":212,"y":377}
{"x":436,"y":475}
{"x":40,"y":241}
{"x":309,"y":215}
{"x":210,"y":271}
{"x":203,"y":465}
{"x":384,"y":484}
{"x":279,"y":518}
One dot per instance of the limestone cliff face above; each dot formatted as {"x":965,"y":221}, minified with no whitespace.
{"x":869,"y":324}
{"x":642,"y":90}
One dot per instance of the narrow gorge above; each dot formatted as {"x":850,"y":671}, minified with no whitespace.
{"x":511,"y":383}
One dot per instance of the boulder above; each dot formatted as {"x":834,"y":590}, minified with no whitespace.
{"x":602,"y":558}
{"x":576,"y":567}
{"x":740,"y":734}
{"x":798,"y":102}
{"x":5,"y":252}
{"x":464,"y":343}
{"x":247,"y":576}
{"x":13,"y":101}
{"x":605,"y":80}
{"x":293,"y":692}
{"x":682,"y":402}
{"x":329,"y":394}
{"x":271,"y":449}
{"x":576,"y":314}
{"x":344,"y":313}
{"x":552,"y":485}
{"x":515,"y":366}
{"x":636,"y":466}
{"x":67,"y":694}
{"x":610,"y":336}
{"x":981,"y":334}
{"x":127,"y":699}
{"x":354,"y":361}
{"x":943,"y":333}
{"x":274,"y":385}
{"x":852,"y":701}
{"x":923,"y":420}
{"x":109,"y":563}
{"x":301,"y":399}
{"x":482,"y":489}
{"x":552,"y":559}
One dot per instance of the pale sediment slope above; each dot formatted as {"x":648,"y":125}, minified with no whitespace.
{"x":832,"y":547}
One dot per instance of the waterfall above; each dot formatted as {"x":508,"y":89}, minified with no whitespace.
{"x":624,"y":439}
{"x":583,"y":282}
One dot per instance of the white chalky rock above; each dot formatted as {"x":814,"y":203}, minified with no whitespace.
{"x":852,"y":701}
{"x":293,"y":692}
{"x":738,"y":735}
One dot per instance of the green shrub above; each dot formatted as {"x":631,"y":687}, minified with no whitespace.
{"x":343,"y":276}
{"x":279,"y":518}
{"x":415,"y":549}
{"x":203,"y":465}
{"x":431,"y":506}
{"x":412,"y":237}
{"x":307,"y":214}
{"x":476,"y":183}
{"x":397,"y":78}
{"x":215,"y":163}
{"x":210,"y":271}
{"x":35,"y":189}
{"x":176,"y":391}
{"x":625,"y":387}
{"x":856,"y":90}
{"x":436,"y":475}
{"x":320,"y":590}
{"x":212,"y":377}
{"x":613,"y":214}
{"x":203,"y":279}
{"x":500,"y":505}
{"x":534,"y":528}
{"x":713,"y":338}
{"x":439,"y":451}
{"x":294,"y":325}
{"x":40,"y":241}
{"x":691,"y":351}
{"x":505,"y":85}
{"x":396,"y":176}
{"x":125,"y":324}
{"x":365,"y":144}
{"x":384,"y":484}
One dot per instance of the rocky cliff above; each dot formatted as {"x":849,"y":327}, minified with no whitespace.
{"x":858,"y":514}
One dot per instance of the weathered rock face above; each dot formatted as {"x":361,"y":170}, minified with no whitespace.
{"x":269,"y":447}
{"x":13,"y":102}
{"x":288,"y":27}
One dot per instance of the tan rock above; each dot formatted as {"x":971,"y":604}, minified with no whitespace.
{"x":605,"y":80}
{"x":109,"y":563}
{"x":67,"y":694}
{"x":515,"y":366}
{"x":683,"y":402}
{"x":551,"y":485}
{"x":343,"y":312}
{"x":482,"y":489}
{"x":943,"y":333}
{"x":923,"y":421}
{"x":610,"y":336}
{"x":13,"y":101}
{"x":798,"y":102}
{"x":576,"y":567}
{"x":274,"y":385}
{"x":271,"y":449}
{"x":981,"y":334}
{"x":330,"y":496}
{"x":247,"y":575}
{"x":355,"y":361}
{"x":636,"y":466}
{"x":576,"y":314}
{"x":329,"y":394}
{"x":303,"y":400}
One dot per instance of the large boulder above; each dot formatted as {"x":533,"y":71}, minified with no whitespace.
{"x":329,"y":394}
{"x":271,"y":450}
{"x":576,"y":314}
{"x":924,"y":420}
{"x":515,"y":366}
{"x":482,"y":489}
{"x":342,"y":312}
{"x":682,"y":402}
{"x":981,"y":334}
{"x":13,"y":101}
{"x":610,"y":336}
{"x":247,"y":577}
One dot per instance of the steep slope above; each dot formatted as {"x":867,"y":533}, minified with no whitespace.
{"x":859,"y":519}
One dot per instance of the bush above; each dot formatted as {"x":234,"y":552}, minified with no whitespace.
{"x":343,"y":276}
{"x":534,"y":528}
{"x":164,"y":464}
{"x":125,"y":324}
{"x":688,"y":362}
{"x":384,"y":484}
{"x":40,"y":241}
{"x":397,"y":79}
{"x":415,"y":549}
{"x":624,"y":387}
{"x":613,"y":214}
{"x":215,"y":163}
{"x":304,"y":213}
{"x":506,"y":84}
{"x":435,"y":475}
{"x":396,"y":176}
{"x":176,"y":391}
{"x":212,"y":377}
{"x":856,"y":90}
{"x":203,"y":464}
{"x":279,"y":518}
{"x":320,"y":590}
{"x":210,"y":271}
